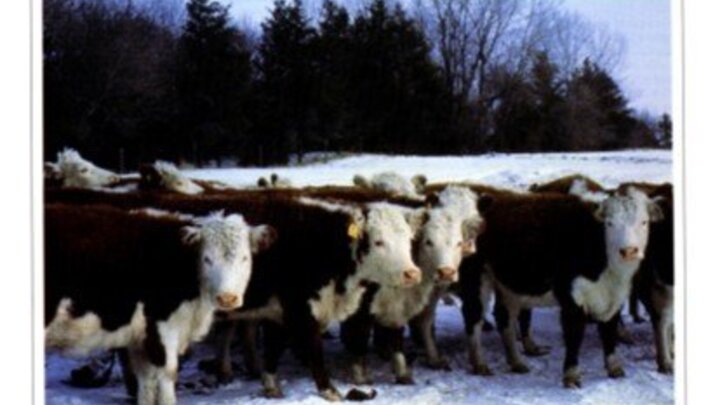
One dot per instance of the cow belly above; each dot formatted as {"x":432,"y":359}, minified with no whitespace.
{"x":78,"y":336}
{"x":271,"y":311}
{"x":521,"y":300}
{"x":330,"y":306}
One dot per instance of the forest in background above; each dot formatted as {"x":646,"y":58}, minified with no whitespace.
{"x":128,"y":82}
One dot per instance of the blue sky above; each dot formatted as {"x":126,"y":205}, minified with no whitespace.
{"x":645,"y":72}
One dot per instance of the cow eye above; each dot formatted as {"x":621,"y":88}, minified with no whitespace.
{"x":379,"y":243}
{"x":207,"y":260}
{"x":429,"y":242}
{"x":84,"y":170}
{"x":644,"y":223}
{"x":459,"y":244}
{"x":245,"y":258}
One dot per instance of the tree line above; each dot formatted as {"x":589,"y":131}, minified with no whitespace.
{"x":126,"y":83}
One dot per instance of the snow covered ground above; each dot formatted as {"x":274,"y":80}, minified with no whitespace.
{"x":643,"y":385}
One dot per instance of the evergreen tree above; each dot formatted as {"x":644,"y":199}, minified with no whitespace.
{"x":665,"y":128}
{"x":548,"y":134}
{"x":213,"y":77}
{"x":286,"y":80}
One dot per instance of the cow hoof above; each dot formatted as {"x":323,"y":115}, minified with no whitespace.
{"x":481,"y":369}
{"x":331,"y":394}
{"x":273,"y":393}
{"x":439,"y":364}
{"x":519,"y":368}
{"x":535,"y":350}
{"x":572,"y":379}
{"x":404,"y":380}
{"x":665,"y":368}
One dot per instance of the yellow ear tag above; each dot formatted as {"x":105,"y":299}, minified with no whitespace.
{"x":353,"y":231}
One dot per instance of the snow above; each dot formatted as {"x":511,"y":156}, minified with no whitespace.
{"x":642,"y":385}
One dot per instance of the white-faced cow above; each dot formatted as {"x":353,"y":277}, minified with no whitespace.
{"x":74,"y":171}
{"x":541,"y":249}
{"x":150,"y":284}
{"x":166,"y":176}
{"x":393,"y":183}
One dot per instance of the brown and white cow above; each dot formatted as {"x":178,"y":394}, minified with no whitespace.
{"x":150,"y":284}
{"x":163,"y":175}
{"x":544,"y":249}
{"x":393,"y":183}
{"x":71,"y":170}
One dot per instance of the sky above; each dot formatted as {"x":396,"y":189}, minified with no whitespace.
{"x":644,"y":73}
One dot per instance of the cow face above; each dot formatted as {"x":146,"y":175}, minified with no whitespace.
{"x":78,"y":172}
{"x":444,"y":240}
{"x":225,"y":246}
{"x":172,"y":180}
{"x":627,"y":218}
{"x":385,"y":253}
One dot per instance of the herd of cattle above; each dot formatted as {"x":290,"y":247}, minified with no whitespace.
{"x":145,"y":265}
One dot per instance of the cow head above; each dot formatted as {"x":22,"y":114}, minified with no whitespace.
{"x":226,"y":245}
{"x":384,"y":253}
{"x":78,"y":172}
{"x":449,"y":233}
{"x":166,"y":176}
{"x":627,"y":216}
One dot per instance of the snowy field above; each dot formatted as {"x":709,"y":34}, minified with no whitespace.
{"x":643,"y":384}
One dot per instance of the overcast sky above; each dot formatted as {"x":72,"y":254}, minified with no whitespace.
{"x":645,"y":73}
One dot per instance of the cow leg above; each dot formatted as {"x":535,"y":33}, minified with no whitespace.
{"x":403,"y":373}
{"x":147,"y":377}
{"x":129,"y":378}
{"x":608,"y":335}
{"x":426,"y":322}
{"x":250,"y":354}
{"x":274,"y":337}
{"x":472,"y":286}
{"x":573,"y":325}
{"x":355,"y":335}
{"x":660,"y":315}
{"x":530,"y":347}
{"x":223,"y":362}
{"x":507,"y":311}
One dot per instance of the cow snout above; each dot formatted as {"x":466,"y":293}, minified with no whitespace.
{"x":630,"y":253}
{"x":228,"y":300}
{"x":447,"y":273}
{"x":412,"y":276}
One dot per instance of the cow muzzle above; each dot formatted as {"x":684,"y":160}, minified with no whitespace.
{"x":447,"y":273}
{"x":411,"y":276}
{"x":228,"y":301}
{"x":630,"y":253}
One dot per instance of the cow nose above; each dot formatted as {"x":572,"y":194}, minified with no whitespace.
{"x":227,"y":300}
{"x":630,"y":253}
{"x":447,"y":273}
{"x":412,"y":276}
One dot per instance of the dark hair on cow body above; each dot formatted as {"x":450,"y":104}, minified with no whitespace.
{"x":107,"y":261}
{"x":563,"y":185}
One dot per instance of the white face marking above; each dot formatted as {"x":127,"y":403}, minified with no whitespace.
{"x":225,"y":254}
{"x":173,"y":180}
{"x":389,"y":234}
{"x":441,"y":244}
{"x":627,"y":224}
{"x":78,"y":172}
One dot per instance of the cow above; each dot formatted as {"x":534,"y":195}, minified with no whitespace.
{"x":548,"y":249}
{"x":71,"y":170}
{"x":146,"y":283}
{"x":448,"y":234}
{"x":654,"y":283}
{"x":570,"y":184}
{"x":165,"y":176}
{"x":393,"y":183}
{"x":317,"y":272}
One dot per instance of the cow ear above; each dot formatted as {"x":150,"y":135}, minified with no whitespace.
{"x":361,"y":181}
{"x":655,"y":210}
{"x":472,"y":227}
{"x":419,"y":181}
{"x":190,"y":235}
{"x":416,"y":218}
{"x":485,"y":200}
{"x":51,"y":170}
{"x":262,"y":182}
{"x":262,"y":237}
